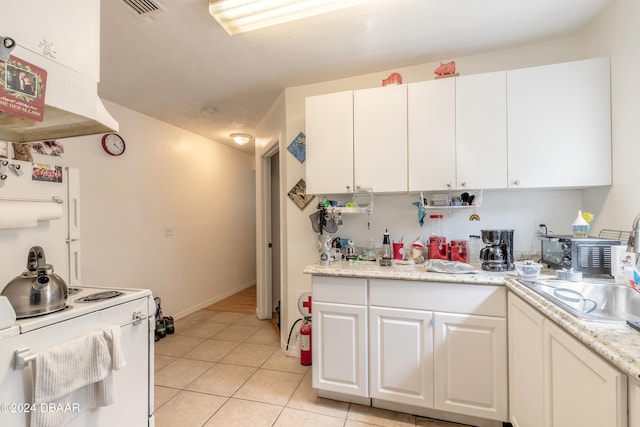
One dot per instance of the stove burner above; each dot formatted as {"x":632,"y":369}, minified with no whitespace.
{"x":99,"y":296}
{"x":72,"y":291}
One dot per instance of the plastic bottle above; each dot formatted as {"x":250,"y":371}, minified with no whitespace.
{"x":580,"y":226}
{"x":387,"y":253}
{"x":386,"y":245}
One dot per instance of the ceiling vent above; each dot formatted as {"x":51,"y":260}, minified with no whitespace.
{"x":146,"y":9}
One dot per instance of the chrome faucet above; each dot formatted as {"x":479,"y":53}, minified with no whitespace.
{"x":634,"y":238}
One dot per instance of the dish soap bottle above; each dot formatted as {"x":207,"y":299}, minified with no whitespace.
{"x":580,"y":226}
{"x":386,"y":250}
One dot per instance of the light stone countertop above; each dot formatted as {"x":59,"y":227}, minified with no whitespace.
{"x":372,"y":270}
{"x":615,"y":342}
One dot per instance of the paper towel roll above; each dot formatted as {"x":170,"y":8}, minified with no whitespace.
{"x":21,"y":214}
{"x":619,"y":259}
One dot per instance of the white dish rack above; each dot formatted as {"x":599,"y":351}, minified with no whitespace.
{"x":438,"y":200}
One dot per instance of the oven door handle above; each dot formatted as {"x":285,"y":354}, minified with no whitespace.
{"x":138,"y":317}
{"x":23,"y":356}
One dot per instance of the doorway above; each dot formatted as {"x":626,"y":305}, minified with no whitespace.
{"x":274,"y":243}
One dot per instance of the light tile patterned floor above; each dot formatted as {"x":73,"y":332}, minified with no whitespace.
{"x":227,"y":369}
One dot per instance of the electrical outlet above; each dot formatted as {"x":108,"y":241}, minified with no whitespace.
{"x":168,"y":231}
{"x":541,"y":228}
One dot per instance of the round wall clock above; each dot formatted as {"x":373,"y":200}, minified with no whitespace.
{"x":113,"y":144}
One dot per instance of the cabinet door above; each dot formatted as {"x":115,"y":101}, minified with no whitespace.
{"x":71,"y":27}
{"x":526,"y":393}
{"x":329,"y":142}
{"x":481,"y":131}
{"x":470,"y":364}
{"x":582,"y":389}
{"x":432,"y":134}
{"x":634,"y":402}
{"x":380,"y":138}
{"x":401,"y":346}
{"x":339,"y":348}
{"x":560,"y":120}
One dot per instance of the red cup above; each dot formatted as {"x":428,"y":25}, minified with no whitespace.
{"x":398,"y":250}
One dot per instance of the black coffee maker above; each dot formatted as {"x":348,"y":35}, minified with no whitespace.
{"x":497,"y":255}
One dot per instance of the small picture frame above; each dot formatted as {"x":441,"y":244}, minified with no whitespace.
{"x":22,"y":151}
{"x":298,"y":147}
{"x":4,"y":149}
{"x":299,"y":194}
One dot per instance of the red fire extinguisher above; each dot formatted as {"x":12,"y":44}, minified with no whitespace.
{"x":305,"y":343}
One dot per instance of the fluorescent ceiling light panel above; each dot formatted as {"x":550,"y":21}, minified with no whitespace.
{"x":240,"y":16}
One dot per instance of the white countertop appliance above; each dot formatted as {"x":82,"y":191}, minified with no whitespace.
{"x":88,"y":309}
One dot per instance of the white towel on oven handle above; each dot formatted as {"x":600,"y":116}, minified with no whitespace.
{"x":76,"y":376}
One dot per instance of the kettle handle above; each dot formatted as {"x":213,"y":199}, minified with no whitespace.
{"x":35,"y":259}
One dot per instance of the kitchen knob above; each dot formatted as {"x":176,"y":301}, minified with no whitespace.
{"x":516,"y":182}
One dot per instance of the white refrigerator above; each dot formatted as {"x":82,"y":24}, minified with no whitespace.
{"x":42,"y":213}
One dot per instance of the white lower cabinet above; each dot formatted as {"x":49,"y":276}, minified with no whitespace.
{"x":526,"y":353}
{"x":633,"y":402}
{"x":340,"y":351}
{"x":434,"y":349}
{"x":470,"y":365}
{"x":401,"y":343}
{"x":339,"y":339}
{"x":578,"y":387}
{"x":582,"y":389}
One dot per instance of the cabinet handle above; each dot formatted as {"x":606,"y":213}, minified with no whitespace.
{"x":464,"y":184}
{"x":348,"y":187}
{"x":516,"y":182}
{"x":448,"y":185}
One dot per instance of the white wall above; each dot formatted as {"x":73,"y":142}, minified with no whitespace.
{"x":166,"y":177}
{"x":521,"y":210}
{"x":617,"y":34}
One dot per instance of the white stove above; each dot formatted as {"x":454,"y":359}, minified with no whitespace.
{"x":78,"y":306}
{"x":88,"y":309}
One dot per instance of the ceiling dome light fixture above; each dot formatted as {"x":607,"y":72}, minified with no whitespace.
{"x":241,"y":138}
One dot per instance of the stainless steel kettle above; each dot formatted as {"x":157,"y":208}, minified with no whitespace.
{"x":38,"y":290}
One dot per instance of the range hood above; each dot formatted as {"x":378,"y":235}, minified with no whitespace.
{"x":72,"y":106}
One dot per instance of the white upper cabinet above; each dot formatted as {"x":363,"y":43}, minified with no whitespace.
{"x":380,"y":138}
{"x":560,"y":121}
{"x":481,"y":131}
{"x":67,"y":29}
{"x":329,"y":141}
{"x":432,"y":134}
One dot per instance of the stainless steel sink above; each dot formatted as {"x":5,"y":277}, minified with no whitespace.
{"x":595,"y":301}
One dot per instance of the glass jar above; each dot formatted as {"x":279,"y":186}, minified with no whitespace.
{"x":474,"y":244}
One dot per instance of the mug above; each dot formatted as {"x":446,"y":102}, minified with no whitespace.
{"x":398,"y":250}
